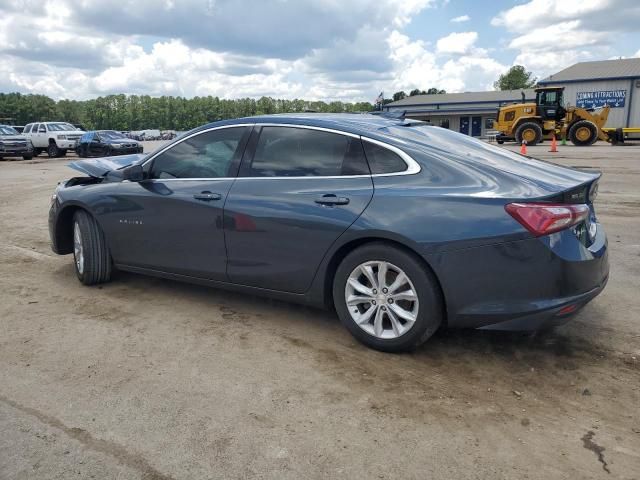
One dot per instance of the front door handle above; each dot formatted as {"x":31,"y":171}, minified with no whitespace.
{"x":207,"y":196}
{"x":331,"y":199}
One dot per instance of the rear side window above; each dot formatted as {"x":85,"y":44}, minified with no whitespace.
{"x":207,"y":155}
{"x":383,"y":160}
{"x":303,"y":152}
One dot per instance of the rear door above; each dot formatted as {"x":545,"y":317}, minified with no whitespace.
{"x":298,"y":190}
{"x":172,"y":221}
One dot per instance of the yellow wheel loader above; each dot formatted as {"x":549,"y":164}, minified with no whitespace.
{"x":531,"y":122}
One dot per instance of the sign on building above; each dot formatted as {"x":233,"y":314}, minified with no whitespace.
{"x":613,"y":98}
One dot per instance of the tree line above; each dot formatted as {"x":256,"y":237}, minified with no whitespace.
{"x":138,"y":112}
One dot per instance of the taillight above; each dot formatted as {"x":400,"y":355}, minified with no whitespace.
{"x":545,"y":218}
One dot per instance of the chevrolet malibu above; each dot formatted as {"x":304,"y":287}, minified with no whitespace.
{"x":400,"y":226}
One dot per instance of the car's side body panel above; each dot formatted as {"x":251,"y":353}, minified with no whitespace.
{"x":277,"y":234}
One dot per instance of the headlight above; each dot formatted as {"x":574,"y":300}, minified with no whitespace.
{"x":54,"y":197}
{"x":117,"y":145}
{"x":62,"y":137}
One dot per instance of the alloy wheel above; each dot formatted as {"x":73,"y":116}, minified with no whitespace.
{"x":381,"y":299}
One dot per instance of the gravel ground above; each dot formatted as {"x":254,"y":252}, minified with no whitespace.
{"x":152,"y":379}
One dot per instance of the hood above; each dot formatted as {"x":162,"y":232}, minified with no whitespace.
{"x":99,"y":167}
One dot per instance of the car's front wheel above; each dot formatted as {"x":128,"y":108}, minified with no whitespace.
{"x":53,"y":151}
{"x":386,"y":298}
{"x":92,"y":260}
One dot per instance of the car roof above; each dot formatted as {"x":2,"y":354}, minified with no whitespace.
{"x":356,"y":123}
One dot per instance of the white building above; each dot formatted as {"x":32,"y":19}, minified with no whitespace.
{"x":589,"y":84}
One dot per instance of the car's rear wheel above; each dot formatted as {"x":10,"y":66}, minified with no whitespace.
{"x":386,"y":298}
{"x":92,"y":260}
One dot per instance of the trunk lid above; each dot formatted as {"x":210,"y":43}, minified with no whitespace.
{"x":100,"y":167}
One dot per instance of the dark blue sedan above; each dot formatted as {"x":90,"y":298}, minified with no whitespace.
{"x":400,"y":226}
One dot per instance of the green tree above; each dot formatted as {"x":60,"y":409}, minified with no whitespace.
{"x":517,"y":77}
{"x":399,"y":96}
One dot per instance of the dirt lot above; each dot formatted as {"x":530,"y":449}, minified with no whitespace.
{"x":152,"y":379}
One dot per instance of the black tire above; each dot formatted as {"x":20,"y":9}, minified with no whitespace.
{"x":95,"y":258}
{"x":583,"y":133}
{"x":500,"y":142}
{"x":430,"y":309}
{"x":530,"y":132}
{"x":27,"y":157}
{"x":53,"y":151}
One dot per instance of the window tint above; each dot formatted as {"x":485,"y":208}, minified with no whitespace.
{"x":27,"y":129}
{"x":383,"y":160}
{"x":208,"y":155}
{"x":301,"y":152}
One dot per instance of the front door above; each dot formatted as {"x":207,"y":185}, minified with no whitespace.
{"x":298,"y":190}
{"x":464,"y":125}
{"x":476,"y":126}
{"x":172,"y":221}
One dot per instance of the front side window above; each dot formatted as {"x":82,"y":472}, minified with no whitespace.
{"x":303,"y":152}
{"x":207,"y":155}
{"x":382,"y":160}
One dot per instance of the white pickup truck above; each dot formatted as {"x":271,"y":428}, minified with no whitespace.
{"x":53,"y":137}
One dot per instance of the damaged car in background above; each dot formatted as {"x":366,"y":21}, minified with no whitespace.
{"x":399,"y":226}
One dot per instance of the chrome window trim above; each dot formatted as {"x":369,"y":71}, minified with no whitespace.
{"x":413,"y":167}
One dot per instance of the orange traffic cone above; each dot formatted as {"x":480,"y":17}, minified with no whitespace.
{"x":523,"y":148}
{"x":554,"y":145}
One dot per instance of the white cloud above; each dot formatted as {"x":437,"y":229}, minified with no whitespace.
{"x":416,"y":66}
{"x":457,"y":42}
{"x":551,"y":35}
{"x":460,"y":19}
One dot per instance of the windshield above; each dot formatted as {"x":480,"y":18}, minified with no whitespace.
{"x":5,"y":130}
{"x":112,"y":135}
{"x":60,"y":127}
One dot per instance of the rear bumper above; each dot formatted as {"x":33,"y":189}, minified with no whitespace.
{"x":522,"y":285}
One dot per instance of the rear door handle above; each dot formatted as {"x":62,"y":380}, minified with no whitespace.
{"x":207,"y":196}
{"x":331,"y":199}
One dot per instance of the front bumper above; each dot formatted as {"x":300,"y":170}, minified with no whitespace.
{"x":66,"y":144}
{"x":8,"y":151}
{"x":522,"y":285}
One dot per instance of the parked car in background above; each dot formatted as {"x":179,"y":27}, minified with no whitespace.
{"x":106,"y":143}
{"x":400,"y":226}
{"x":12,"y":144}
{"x":55,"y":138}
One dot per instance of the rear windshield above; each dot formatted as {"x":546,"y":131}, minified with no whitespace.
{"x":5,"y":130}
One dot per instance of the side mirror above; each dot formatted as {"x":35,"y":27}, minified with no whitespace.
{"x":134,"y":173}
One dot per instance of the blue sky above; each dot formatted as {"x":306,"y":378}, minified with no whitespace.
{"x":312,"y":49}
